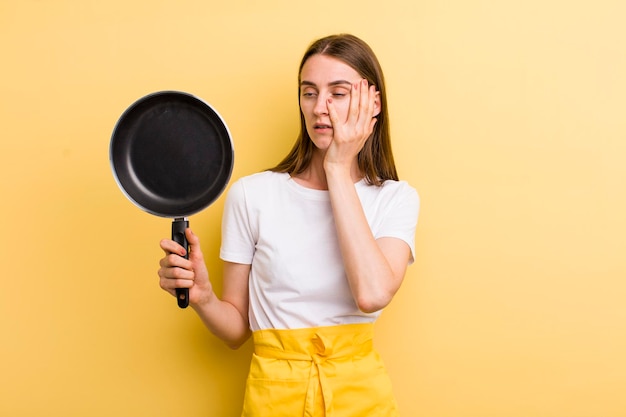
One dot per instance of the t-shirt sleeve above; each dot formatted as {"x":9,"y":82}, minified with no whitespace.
{"x":237,"y":236}
{"x":401,"y":219}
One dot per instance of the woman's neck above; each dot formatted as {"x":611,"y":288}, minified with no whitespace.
{"x":314,"y":176}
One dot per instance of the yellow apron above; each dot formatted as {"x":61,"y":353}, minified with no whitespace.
{"x":318,"y":372}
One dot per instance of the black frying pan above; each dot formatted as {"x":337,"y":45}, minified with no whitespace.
{"x":172,"y":155}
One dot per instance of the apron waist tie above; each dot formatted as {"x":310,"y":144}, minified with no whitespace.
{"x":317,"y":347}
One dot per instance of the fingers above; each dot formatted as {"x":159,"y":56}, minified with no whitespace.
{"x":355,"y":102}
{"x":365,"y":103}
{"x":351,"y":133}
{"x":176,"y":271}
{"x":169,"y":246}
{"x":195,"y":253}
{"x":332,"y":113}
{"x":362,"y":107}
{"x":175,"y":261}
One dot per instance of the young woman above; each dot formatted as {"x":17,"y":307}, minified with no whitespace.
{"x":313,"y":249}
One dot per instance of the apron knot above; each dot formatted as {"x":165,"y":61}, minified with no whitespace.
{"x":321,"y":349}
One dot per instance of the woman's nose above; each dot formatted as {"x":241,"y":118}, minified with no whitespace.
{"x":321,"y":106}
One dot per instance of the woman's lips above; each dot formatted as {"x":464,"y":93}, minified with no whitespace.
{"x":322,"y":127}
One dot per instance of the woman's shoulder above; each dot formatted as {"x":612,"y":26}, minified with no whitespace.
{"x":390,"y":195}
{"x":258,"y":183}
{"x":263,"y":178}
{"x":391,"y":188}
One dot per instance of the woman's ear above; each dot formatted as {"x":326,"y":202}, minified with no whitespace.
{"x":377,"y":106}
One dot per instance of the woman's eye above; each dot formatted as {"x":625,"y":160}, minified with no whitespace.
{"x":308,"y":94}
{"x":340,"y":92}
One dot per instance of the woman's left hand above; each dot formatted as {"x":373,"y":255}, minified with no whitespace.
{"x":350,"y":135}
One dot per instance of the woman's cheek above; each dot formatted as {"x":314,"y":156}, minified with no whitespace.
{"x":342,"y":109}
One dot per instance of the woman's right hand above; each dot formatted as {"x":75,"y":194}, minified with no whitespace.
{"x":227,"y":318}
{"x":178,"y":272}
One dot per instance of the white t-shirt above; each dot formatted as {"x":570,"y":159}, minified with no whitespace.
{"x":286,"y":233}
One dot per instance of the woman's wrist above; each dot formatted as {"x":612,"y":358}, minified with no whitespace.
{"x":205,"y":300}
{"x":337,"y":170}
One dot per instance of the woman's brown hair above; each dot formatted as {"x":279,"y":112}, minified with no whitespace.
{"x":376,"y":158}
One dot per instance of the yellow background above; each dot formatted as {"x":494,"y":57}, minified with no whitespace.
{"x":508,"y":116}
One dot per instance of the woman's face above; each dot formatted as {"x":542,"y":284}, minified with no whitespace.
{"x":325,"y":77}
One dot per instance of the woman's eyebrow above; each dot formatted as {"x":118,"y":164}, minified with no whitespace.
{"x":332,"y":83}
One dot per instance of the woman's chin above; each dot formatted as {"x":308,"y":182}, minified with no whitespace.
{"x":322,"y":142}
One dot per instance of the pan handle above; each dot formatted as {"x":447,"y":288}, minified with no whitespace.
{"x":179,"y":225}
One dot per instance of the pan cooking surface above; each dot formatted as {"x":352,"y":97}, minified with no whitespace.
{"x":172,"y":154}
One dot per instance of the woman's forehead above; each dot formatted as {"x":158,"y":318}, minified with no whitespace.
{"x":324,"y":69}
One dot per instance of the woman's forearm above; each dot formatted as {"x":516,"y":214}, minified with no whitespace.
{"x":372,"y":279}
{"x":227,"y":317}
{"x":224,"y":320}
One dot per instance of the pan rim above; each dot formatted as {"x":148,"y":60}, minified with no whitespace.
{"x":146,"y":199}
